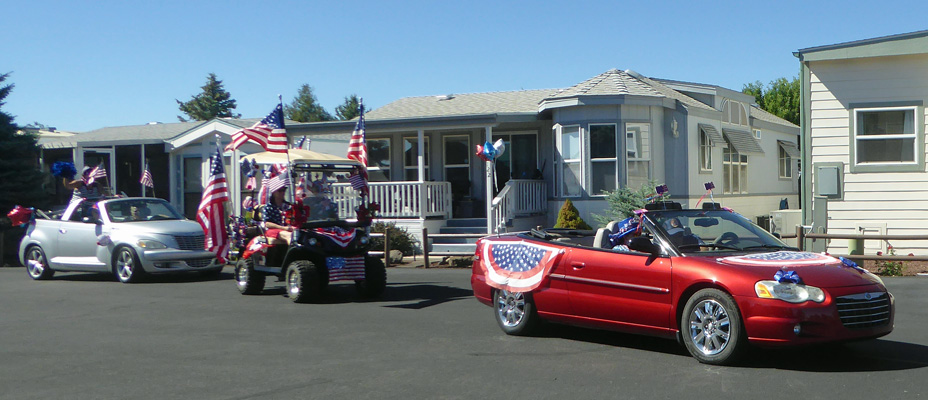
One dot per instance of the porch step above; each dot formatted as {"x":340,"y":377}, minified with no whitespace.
{"x":439,"y":248}
{"x":468,"y":222}
{"x":463,"y":229}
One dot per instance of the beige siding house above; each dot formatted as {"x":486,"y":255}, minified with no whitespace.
{"x":864,"y":139}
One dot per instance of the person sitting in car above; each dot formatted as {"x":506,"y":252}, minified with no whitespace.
{"x":275,"y":219}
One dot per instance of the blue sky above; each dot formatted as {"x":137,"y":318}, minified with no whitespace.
{"x":82,"y":65}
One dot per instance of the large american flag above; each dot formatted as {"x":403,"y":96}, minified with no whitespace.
{"x":98,"y":172}
{"x":211,"y":214}
{"x":270,"y":133}
{"x":357,"y":147}
{"x":146,"y":178}
{"x":517,"y":266}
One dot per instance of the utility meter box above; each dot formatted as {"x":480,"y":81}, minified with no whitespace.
{"x":784,"y":222}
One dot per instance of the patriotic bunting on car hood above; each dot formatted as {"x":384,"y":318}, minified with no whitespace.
{"x":517,"y":266}
{"x":779,"y":258}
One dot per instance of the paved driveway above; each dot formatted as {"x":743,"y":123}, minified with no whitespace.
{"x":85,"y":336}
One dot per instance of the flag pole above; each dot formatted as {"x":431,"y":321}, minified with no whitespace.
{"x":280,"y":100}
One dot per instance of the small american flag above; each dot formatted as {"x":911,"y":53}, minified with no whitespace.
{"x":357,"y":147}
{"x":278,"y":181}
{"x":98,"y":172}
{"x":345,"y":268}
{"x":146,"y":178}
{"x":270,"y":133}
{"x":358,"y":182}
{"x":211,"y":212}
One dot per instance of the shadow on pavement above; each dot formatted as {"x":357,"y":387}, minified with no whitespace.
{"x":180,"y":277}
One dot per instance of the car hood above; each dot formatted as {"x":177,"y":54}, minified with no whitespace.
{"x":174,"y":227}
{"x":814,"y":269}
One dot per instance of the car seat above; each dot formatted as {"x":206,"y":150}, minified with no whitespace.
{"x":601,"y":240}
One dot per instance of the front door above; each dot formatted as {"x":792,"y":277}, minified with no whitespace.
{"x":520,"y":160}
{"x":456,"y":151}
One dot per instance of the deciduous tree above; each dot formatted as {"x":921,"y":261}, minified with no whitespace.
{"x":780,"y":97}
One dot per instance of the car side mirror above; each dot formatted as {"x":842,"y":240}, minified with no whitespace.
{"x":644,"y":245}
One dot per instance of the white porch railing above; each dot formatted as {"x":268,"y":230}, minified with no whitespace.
{"x":519,"y":197}
{"x":398,"y":199}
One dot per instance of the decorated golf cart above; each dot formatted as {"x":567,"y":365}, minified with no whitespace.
{"x":316,"y":246}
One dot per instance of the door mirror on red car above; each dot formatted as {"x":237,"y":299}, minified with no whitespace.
{"x":644,"y":245}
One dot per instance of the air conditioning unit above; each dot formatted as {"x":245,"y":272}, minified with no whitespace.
{"x":784,"y":222}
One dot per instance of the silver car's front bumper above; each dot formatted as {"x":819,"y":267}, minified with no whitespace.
{"x":173,"y":260}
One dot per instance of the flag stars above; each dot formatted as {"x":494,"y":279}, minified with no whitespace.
{"x":517,"y":257}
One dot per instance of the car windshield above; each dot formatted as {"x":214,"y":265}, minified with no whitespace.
{"x":136,"y":210}
{"x":327,"y":193}
{"x":692,"y":231}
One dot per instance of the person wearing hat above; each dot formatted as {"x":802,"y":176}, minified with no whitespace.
{"x":275,"y":219}
{"x":82,"y":190}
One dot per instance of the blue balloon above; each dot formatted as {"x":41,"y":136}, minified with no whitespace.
{"x":489,"y":150}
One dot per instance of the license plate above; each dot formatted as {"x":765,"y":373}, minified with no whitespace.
{"x":335,"y":262}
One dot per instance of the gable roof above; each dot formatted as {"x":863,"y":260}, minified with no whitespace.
{"x":153,"y":133}
{"x":516,"y":102}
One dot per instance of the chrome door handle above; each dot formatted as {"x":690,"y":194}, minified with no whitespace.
{"x":577,"y":264}
{"x":62,"y":230}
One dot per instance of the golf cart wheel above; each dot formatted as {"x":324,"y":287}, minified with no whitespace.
{"x":375,"y":279}
{"x":304,"y":282}
{"x":247,"y":280}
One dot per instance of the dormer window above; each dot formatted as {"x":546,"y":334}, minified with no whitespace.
{"x":734,"y":112}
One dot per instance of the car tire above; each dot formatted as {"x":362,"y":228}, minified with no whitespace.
{"x":304,"y":282}
{"x":126,"y":265}
{"x":37,"y":264}
{"x":712,"y":329}
{"x":375,"y":279}
{"x":247,"y":280}
{"x":515,"y":312}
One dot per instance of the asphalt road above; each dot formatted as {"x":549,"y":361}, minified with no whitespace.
{"x":84,"y":336}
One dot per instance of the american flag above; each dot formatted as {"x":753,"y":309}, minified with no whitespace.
{"x":358,"y":182}
{"x":517,"y":266}
{"x":146,"y":178}
{"x":212,"y":211}
{"x":278,"y":181}
{"x":303,"y":143}
{"x":345,"y":268}
{"x":339,"y":236}
{"x":98,"y":172}
{"x":270,"y":133}
{"x":357,"y":147}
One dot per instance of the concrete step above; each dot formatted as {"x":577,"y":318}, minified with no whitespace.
{"x":463,"y":229}
{"x":438,"y":248}
{"x":470,"y":222}
{"x":452,"y":240}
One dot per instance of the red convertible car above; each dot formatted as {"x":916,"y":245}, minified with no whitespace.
{"x":710,"y":278}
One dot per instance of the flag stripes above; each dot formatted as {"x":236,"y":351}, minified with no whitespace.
{"x":211,"y":212}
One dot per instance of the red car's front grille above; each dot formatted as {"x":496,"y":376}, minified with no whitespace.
{"x":864,"y":310}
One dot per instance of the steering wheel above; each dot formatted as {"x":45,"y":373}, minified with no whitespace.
{"x":727,"y":239}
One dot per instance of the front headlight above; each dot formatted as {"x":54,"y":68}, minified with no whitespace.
{"x":789,"y":292}
{"x":148,"y":244}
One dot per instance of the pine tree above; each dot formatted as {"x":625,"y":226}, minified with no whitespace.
{"x":569,"y":217}
{"x":305,"y":107}
{"x":213,"y":102}
{"x":20,"y":176}
{"x":349,"y":109}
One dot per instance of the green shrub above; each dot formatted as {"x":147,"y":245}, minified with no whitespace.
{"x":624,"y":201}
{"x":569,"y":217}
{"x":400,"y":238}
{"x":889,"y":268}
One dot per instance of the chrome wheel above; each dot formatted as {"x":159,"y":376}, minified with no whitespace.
{"x":710,"y":327}
{"x":126,"y":266}
{"x":36,"y":265}
{"x":241,"y":278}
{"x":293,"y":284}
{"x":510,"y":308}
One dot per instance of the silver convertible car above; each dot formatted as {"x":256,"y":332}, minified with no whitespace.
{"x":126,"y":236}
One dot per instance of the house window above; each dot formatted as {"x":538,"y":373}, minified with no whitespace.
{"x":734,"y":170}
{"x":411,"y":158}
{"x":378,"y":160}
{"x":637,"y":154}
{"x":885,"y":135}
{"x":733,"y":112}
{"x":786,"y":163}
{"x":756,"y":134}
{"x":705,"y":151}
{"x":568,"y":145}
{"x":603,"y":161}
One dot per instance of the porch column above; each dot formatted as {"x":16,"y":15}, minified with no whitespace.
{"x":489,"y":184}
{"x":421,"y":159}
